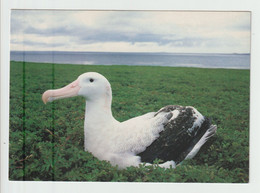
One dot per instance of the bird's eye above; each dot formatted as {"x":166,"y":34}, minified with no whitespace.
{"x":91,"y":80}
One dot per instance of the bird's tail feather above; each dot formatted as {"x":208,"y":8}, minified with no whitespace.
{"x":208,"y":134}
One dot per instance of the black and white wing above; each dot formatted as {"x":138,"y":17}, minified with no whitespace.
{"x":182,"y":136}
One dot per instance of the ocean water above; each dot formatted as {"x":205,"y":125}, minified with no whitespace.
{"x":231,"y":61}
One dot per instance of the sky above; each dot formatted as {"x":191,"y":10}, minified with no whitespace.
{"x":130,"y":31}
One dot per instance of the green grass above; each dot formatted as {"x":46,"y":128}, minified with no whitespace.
{"x":46,"y":141}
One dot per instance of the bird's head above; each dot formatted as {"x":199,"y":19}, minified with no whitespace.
{"x":90,"y":85}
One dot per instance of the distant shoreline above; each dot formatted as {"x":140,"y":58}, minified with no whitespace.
{"x":227,"y":61}
{"x":169,"y":53}
{"x":121,"y":65}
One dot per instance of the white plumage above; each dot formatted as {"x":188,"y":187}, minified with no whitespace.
{"x":126,"y":143}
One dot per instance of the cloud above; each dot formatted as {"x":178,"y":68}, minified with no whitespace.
{"x":131,"y":30}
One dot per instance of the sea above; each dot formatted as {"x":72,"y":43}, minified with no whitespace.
{"x":229,"y":61}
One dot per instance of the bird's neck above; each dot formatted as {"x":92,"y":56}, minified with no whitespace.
{"x":98,"y":117}
{"x":98,"y":110}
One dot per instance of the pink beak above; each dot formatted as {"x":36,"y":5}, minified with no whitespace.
{"x":70,"y":90}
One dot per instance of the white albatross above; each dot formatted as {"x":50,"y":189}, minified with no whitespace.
{"x":172,"y":134}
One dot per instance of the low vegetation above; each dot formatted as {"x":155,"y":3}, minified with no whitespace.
{"x":46,"y":141}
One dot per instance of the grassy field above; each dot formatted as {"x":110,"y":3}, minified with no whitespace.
{"x":46,"y":141}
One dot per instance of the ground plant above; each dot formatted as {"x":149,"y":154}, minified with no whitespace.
{"x":47,"y":141}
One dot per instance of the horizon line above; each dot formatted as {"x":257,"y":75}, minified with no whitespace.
{"x":131,"y":52}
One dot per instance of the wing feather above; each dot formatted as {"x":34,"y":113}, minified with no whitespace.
{"x":179,"y":136}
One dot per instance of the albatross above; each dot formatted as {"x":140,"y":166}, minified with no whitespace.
{"x":172,"y":134}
